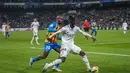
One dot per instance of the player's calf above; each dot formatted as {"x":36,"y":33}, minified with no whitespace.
{"x":44,"y":56}
{"x":32,"y":40}
{"x":8,"y":35}
{"x":57,"y":50}
{"x":91,"y":33}
{"x":85,"y":59}
{"x":32,"y":60}
{"x":36,"y":38}
{"x":95,"y":33}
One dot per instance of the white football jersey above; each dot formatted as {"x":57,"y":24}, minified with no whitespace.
{"x":3,"y":27}
{"x":35,"y":26}
{"x":124,"y":25}
{"x":69,"y":33}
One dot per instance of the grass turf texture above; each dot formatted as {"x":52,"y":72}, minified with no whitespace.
{"x":16,"y":52}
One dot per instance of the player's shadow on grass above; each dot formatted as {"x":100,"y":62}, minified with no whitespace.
{"x":50,"y":71}
{"x":82,"y":71}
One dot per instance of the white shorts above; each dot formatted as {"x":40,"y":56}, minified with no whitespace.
{"x":65,"y":49}
{"x":35,"y":33}
{"x":125,"y":28}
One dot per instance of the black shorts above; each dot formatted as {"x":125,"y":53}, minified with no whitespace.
{"x":86,"y":29}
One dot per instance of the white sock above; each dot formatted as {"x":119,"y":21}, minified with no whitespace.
{"x":32,"y":39}
{"x":57,"y":61}
{"x":124,"y":32}
{"x":85,"y":59}
{"x":4,"y":33}
{"x":36,"y":38}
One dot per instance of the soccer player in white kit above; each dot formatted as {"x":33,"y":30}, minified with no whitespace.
{"x":68,"y":44}
{"x":124,"y":26}
{"x":4,"y":29}
{"x":35,"y":25}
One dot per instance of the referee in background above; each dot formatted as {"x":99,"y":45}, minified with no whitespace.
{"x":86,"y":26}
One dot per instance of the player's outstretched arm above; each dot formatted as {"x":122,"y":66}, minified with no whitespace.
{"x":86,"y":34}
{"x":56,"y":33}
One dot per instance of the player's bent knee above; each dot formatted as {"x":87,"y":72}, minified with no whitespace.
{"x":44,"y":56}
{"x":63,"y":59}
{"x":82,"y":53}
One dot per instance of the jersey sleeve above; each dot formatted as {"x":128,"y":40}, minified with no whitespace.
{"x":51,"y":27}
{"x":58,"y":32}
{"x":83,"y":33}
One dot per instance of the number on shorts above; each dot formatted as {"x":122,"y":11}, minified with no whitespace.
{"x":47,"y":47}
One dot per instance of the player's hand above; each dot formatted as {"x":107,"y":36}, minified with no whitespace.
{"x":94,"y":39}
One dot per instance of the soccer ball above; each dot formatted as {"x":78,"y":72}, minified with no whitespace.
{"x":95,"y":69}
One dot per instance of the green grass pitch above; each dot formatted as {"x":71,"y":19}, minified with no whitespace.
{"x":16,"y":52}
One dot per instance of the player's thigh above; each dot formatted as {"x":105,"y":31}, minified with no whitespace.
{"x":47,"y":47}
{"x":75,"y":49}
{"x":4,"y":31}
{"x":35,"y":33}
{"x":64,"y":51}
{"x":7,"y":33}
{"x":92,"y":30}
{"x":56,"y":47}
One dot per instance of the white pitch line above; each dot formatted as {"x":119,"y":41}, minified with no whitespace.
{"x":107,"y":43}
{"x":100,"y":53}
{"x":35,"y":48}
{"x":107,"y":54}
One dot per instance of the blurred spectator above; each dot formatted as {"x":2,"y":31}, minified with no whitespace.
{"x":106,"y":19}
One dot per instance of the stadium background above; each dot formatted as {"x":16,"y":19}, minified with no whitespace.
{"x":109,"y":14}
{"x":110,"y":52}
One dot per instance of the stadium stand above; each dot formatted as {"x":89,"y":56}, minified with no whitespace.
{"x":106,"y":18}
